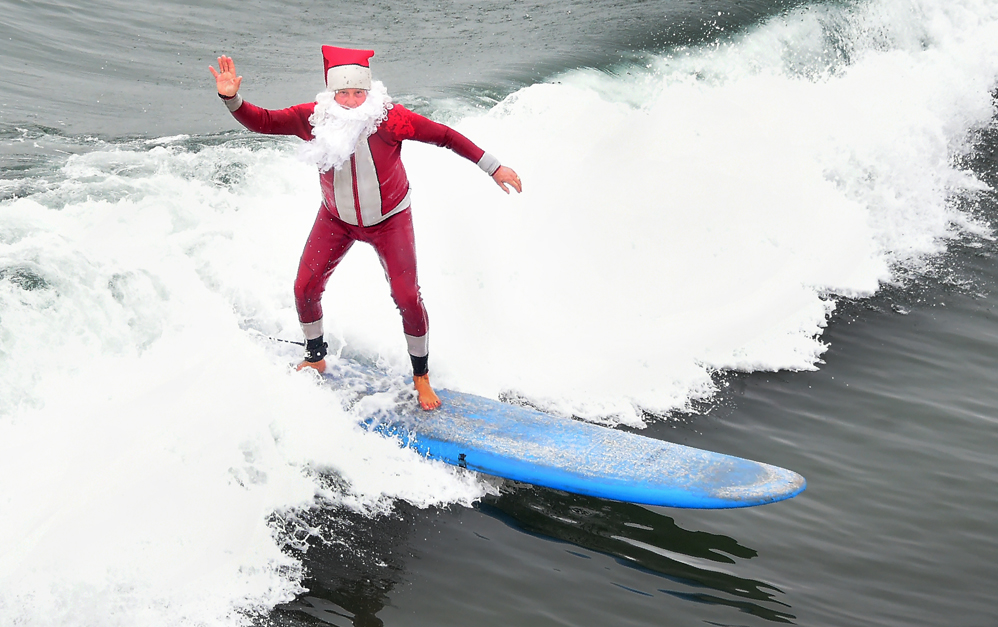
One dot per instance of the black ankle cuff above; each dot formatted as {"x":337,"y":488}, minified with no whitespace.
{"x":420,"y":365}
{"x":315,"y":350}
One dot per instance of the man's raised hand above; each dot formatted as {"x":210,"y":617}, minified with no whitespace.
{"x":226,"y":80}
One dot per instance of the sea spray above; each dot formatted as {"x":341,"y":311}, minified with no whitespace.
{"x":701,"y":212}
{"x":148,"y":436}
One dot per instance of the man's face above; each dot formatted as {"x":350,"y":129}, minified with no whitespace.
{"x":350,"y":98}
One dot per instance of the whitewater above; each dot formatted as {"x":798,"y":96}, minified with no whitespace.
{"x":697,"y":213}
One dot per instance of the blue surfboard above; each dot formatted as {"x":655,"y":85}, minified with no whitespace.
{"x":530,"y":446}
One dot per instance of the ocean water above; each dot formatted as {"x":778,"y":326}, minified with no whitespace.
{"x":761,"y":228}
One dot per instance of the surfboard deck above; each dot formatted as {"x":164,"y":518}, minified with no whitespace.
{"x":526,"y":445}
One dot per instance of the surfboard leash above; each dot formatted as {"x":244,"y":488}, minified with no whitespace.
{"x":277,"y":339}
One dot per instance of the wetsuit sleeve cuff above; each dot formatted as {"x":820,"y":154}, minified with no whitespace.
{"x":488,"y":164}
{"x":232,"y":103}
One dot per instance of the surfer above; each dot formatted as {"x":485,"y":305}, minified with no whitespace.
{"x":354,"y":135}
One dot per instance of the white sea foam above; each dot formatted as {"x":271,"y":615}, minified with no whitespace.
{"x":699,"y":213}
{"x":694,"y":214}
{"x":147,"y":437}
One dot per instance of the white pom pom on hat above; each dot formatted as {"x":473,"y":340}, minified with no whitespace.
{"x":347,"y":68}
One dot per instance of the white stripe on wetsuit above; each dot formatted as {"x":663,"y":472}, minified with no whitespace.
{"x":368,"y":189}
{"x":418,"y":346}
{"x":312,"y":330}
{"x":343,"y":193}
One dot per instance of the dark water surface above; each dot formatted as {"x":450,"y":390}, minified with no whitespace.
{"x":141,"y":68}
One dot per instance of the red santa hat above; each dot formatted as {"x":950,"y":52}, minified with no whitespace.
{"x":347,"y":68}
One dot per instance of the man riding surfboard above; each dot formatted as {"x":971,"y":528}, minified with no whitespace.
{"x":354,"y":135}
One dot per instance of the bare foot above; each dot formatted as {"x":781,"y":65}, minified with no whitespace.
{"x":317,"y":365}
{"x":428,"y":399}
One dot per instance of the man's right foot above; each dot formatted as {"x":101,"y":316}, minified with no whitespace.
{"x":315,"y":355}
{"x":320,"y":365}
{"x":428,"y":399}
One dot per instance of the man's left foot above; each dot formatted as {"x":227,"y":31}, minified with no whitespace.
{"x":428,"y":399}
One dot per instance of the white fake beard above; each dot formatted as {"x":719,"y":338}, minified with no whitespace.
{"x":338,"y":130}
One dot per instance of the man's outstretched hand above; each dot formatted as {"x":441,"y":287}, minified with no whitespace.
{"x":505,"y":176}
{"x":226,"y":80}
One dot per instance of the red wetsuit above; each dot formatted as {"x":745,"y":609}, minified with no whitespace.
{"x":366,"y":200}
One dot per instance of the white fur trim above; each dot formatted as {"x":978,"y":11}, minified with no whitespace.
{"x":348,"y":77}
